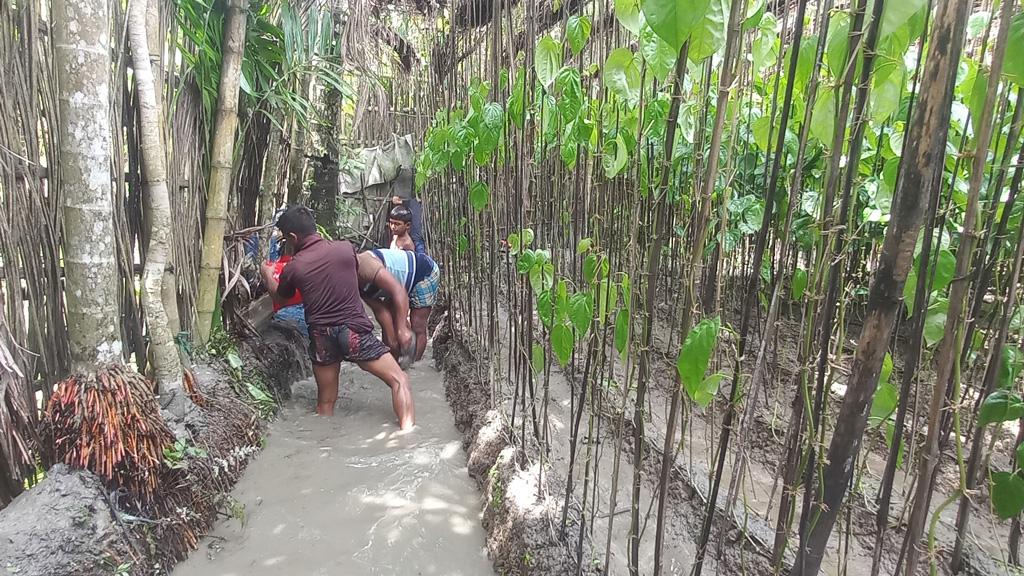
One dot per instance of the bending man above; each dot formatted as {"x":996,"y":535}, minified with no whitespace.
{"x":326,"y":274}
{"x":420,"y":277}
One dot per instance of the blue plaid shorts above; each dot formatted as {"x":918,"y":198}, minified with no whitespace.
{"x":424,"y":292}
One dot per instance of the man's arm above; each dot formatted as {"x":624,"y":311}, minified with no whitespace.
{"x":280,"y":290}
{"x":372,"y":271}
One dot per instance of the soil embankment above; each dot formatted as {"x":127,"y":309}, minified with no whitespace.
{"x":71,"y":523}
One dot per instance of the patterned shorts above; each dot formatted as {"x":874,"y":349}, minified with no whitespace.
{"x":332,"y":344}
{"x":424,"y":293}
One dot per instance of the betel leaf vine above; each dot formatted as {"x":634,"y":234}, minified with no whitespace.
{"x":708,"y":36}
{"x":627,"y":12}
{"x":658,"y":54}
{"x":622,"y":75}
{"x":694,"y":357}
{"x":1007,"y":494}
{"x":675,"y":20}
{"x":547,"y":60}
{"x":577,"y":31}
{"x":1000,"y":406}
{"x":479,"y":195}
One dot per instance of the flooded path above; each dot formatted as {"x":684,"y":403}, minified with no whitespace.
{"x":350,"y":495}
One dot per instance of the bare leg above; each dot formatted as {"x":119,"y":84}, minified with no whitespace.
{"x":386,"y":368}
{"x":326,"y":388}
{"x":419,"y":327}
{"x":382,"y":313}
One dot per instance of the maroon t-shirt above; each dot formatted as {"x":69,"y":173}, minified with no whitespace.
{"x":324,"y":271}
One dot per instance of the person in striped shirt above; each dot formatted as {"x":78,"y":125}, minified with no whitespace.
{"x":420,"y":276}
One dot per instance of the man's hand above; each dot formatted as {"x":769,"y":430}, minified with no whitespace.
{"x":267,"y":270}
{"x":404,"y":334}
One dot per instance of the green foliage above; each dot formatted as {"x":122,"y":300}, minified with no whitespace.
{"x":177,"y":455}
{"x":622,"y":329}
{"x":886,"y":399}
{"x":581,"y":312}
{"x":895,"y":16}
{"x":547,"y":60}
{"x":709,"y":35}
{"x":622,"y":75}
{"x":1013,"y":61}
{"x":1000,"y":406}
{"x":577,"y":31}
{"x":615,"y":160}
{"x":1007,"y":494}
{"x":275,"y":57}
{"x":675,"y":20}
{"x":658,"y":54}
{"x":479,"y":195}
{"x":1010,"y":364}
{"x":627,"y":12}
{"x":562,"y":342}
{"x":798,"y":285}
{"x":694,"y":357}
{"x":537,"y":358}
{"x":935,"y":322}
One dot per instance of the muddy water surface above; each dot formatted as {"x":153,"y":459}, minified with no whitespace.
{"x":350,"y":495}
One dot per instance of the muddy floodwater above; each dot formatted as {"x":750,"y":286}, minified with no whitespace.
{"x":350,"y":494}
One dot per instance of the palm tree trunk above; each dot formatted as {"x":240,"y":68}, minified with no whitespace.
{"x":918,"y":179}
{"x":297,"y":157}
{"x":221,"y":161}
{"x":81,"y":46}
{"x":162,"y":350}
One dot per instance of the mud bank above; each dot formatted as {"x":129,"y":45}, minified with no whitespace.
{"x":71,"y":523}
{"x":521,"y":516}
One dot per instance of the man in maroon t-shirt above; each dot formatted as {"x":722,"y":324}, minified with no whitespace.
{"x":324,"y":271}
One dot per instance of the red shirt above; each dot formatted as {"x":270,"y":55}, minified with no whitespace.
{"x":297,"y":298}
{"x":325,"y":272}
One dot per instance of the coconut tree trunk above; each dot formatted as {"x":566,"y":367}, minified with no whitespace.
{"x":221,"y":161}
{"x":162,"y":350}
{"x":918,"y":179}
{"x":81,"y":44}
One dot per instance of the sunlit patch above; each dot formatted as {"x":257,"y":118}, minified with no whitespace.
{"x":460,"y":525}
{"x":274,"y":561}
{"x":450,"y":450}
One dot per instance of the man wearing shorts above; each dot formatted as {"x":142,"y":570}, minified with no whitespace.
{"x":325,"y":272}
{"x":419,"y":275}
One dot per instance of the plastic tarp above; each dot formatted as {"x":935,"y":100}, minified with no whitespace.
{"x":390,"y":163}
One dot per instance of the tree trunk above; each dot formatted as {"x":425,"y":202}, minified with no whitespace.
{"x":221,"y":160}
{"x":269,"y":187}
{"x":297,"y":152}
{"x":919,"y":177}
{"x":81,"y":45}
{"x":169,"y":288}
{"x":162,"y":350}
{"x":949,"y":346}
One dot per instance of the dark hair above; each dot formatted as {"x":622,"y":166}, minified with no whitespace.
{"x":298,"y":220}
{"x":401,"y":213}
